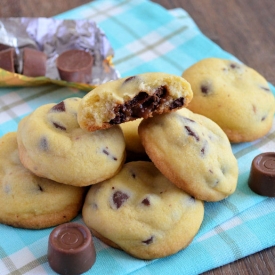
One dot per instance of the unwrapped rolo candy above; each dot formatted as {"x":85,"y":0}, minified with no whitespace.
{"x":262,"y":174}
{"x":75,"y":66}
{"x":70,"y":249}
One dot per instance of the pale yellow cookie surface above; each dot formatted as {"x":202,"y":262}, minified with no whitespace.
{"x":29,"y":201}
{"x":142,"y":212}
{"x":52,"y":145}
{"x":193,"y":152}
{"x":129,"y":98}
{"x":233,"y":95}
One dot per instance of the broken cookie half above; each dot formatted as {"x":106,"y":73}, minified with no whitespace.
{"x":129,"y":98}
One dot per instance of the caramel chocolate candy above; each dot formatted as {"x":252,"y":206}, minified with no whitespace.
{"x":262,"y":174}
{"x":70,"y":249}
{"x":7,"y":59}
{"x":34,"y":62}
{"x":4,"y":47}
{"x":75,"y":66}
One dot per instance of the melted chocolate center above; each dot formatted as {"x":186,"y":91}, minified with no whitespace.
{"x":142,"y":105}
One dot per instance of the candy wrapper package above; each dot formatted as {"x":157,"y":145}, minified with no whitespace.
{"x":54,"y":37}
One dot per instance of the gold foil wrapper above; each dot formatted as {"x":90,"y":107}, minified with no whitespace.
{"x":53,"y":37}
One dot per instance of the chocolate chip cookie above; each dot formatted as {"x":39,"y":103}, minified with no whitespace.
{"x":193,"y":152}
{"x":233,"y":95}
{"x":52,"y":145}
{"x":29,"y":201}
{"x":142,"y":212}
{"x":129,"y":98}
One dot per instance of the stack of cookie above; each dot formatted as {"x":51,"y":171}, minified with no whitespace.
{"x":47,"y":164}
{"x":139,"y":210}
{"x":154,"y":209}
{"x":29,"y":201}
{"x":189,"y":149}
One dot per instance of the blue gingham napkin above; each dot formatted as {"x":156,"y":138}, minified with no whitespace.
{"x":146,"y":37}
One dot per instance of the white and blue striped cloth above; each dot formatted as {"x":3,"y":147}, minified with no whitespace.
{"x":146,"y":37}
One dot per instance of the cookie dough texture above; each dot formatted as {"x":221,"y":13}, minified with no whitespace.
{"x":52,"y":145}
{"x":233,"y":95}
{"x":142,"y":212}
{"x":129,"y":98}
{"x":29,"y":201}
{"x":193,"y":152}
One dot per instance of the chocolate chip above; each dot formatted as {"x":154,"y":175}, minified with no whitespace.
{"x":146,"y":202}
{"x":139,"y":98}
{"x":192,"y":133}
{"x":119,"y":198}
{"x":44,"y":146}
{"x":234,"y":66}
{"x":40,"y":188}
{"x":254,"y":108}
{"x":105,"y":152}
{"x":188,"y":119}
{"x":263,"y":118}
{"x":133,"y":175}
{"x":204,"y":148}
{"x":205,"y":89}
{"x":265,"y":88}
{"x":148,"y":241}
{"x":121,"y":114}
{"x":177,"y":103}
{"x":215,"y":183}
{"x":143,"y":105}
{"x":58,"y":126}
{"x":60,"y":107}
{"x":129,"y":79}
